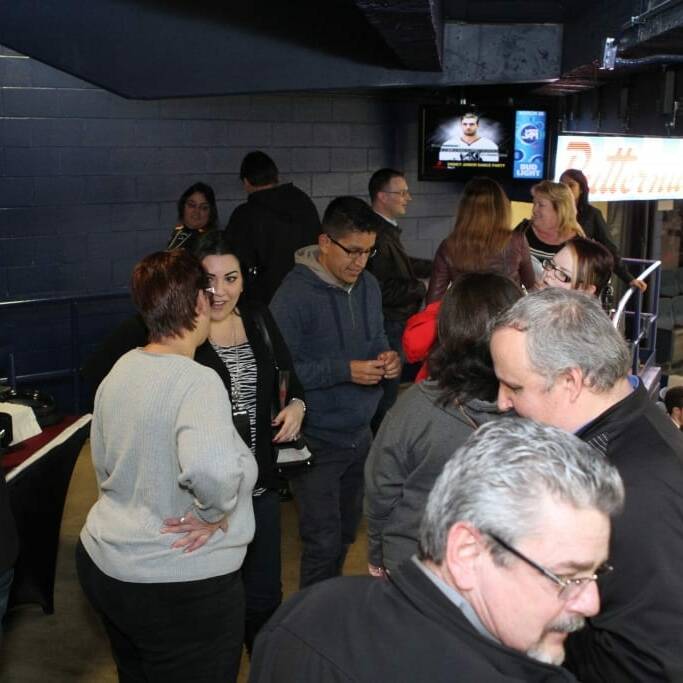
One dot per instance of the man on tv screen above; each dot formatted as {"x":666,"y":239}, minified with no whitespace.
{"x":469,"y":146}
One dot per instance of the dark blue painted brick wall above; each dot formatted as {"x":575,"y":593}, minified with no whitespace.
{"x":89,"y":180}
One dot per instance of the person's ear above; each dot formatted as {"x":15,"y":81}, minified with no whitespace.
{"x":573,"y":382}
{"x":590,"y":289}
{"x":202,"y":306}
{"x":464,"y":547}
{"x":324,"y":243}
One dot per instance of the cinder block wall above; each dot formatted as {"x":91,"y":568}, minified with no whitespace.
{"x":89,"y":182}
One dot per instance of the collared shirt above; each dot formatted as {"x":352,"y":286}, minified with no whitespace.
{"x":388,"y":220}
{"x":457,"y":599}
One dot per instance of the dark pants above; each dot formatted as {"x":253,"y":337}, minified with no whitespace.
{"x":394,"y":331}
{"x":5,"y":585}
{"x":329,"y":498}
{"x":169,"y":632}
{"x":261,"y":570}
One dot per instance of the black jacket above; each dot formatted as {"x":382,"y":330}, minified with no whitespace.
{"x":133,"y":333}
{"x":398,"y":273}
{"x":367,"y":630}
{"x":594,"y":226}
{"x":638,"y":635}
{"x":266,"y":230}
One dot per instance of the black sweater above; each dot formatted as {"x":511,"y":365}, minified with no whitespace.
{"x":266,"y":231}
{"x":133,"y":333}
{"x":593,"y":224}
{"x":638,"y":635}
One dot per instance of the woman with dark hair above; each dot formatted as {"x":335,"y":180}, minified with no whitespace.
{"x":168,"y":460}
{"x":430,"y":420}
{"x":481,"y":241}
{"x":581,"y":264}
{"x":594,"y":225}
{"x":237,"y":350}
{"x":197,"y":214}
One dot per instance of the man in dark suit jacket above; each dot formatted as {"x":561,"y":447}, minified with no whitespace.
{"x":399,"y":274}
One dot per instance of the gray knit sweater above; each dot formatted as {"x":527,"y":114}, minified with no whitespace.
{"x":416,"y":439}
{"x":162,"y":444}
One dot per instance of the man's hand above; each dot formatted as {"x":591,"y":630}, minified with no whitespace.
{"x":197,"y":532}
{"x":392,"y":364}
{"x":367,"y":372}
{"x":638,"y":284}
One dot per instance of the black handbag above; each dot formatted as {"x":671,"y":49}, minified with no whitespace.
{"x":293,"y":455}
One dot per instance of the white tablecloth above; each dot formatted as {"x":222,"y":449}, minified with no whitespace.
{"x":24,"y":423}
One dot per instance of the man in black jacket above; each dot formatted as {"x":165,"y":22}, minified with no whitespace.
{"x":560,"y":361}
{"x":399,"y":274}
{"x":502,"y":577}
{"x":275,"y":221}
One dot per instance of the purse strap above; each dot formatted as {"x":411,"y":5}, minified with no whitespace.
{"x":263,"y":329}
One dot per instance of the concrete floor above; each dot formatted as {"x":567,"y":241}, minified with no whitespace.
{"x":70,"y":645}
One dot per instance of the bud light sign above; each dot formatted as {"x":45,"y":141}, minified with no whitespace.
{"x":529,"y":161}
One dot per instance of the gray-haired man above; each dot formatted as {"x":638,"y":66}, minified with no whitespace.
{"x":561,"y":362}
{"x":515,"y":534}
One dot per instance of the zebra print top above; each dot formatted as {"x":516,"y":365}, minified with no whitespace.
{"x":241,"y":364}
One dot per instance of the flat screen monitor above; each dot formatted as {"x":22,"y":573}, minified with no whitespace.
{"x":459,"y":142}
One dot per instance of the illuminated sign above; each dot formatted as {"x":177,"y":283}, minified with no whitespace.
{"x":529,"y":162}
{"x":623,"y":168}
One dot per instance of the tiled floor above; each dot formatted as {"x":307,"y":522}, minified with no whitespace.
{"x":70,"y":644}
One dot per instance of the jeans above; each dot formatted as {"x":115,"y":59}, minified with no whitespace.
{"x":394,"y":331}
{"x":5,"y":585}
{"x":169,"y":632}
{"x":261,"y":571}
{"x":329,"y":497}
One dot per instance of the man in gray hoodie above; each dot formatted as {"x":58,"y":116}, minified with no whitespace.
{"x":329,"y":310}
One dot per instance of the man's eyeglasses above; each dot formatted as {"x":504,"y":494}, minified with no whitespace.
{"x":569,"y":588}
{"x":550,"y":265}
{"x":354,"y":254}
{"x":403,"y":193}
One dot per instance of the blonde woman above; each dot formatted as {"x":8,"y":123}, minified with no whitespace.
{"x":553,"y":222}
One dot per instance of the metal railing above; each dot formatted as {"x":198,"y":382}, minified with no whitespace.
{"x":73,"y":371}
{"x":643,"y":324}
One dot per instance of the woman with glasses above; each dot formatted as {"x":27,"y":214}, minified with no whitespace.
{"x":237,"y":350}
{"x":594,"y":225}
{"x":168,"y":460}
{"x":481,"y":241}
{"x":553,"y":222}
{"x":430,"y":420}
{"x":581,"y":264}
{"x":197,"y":214}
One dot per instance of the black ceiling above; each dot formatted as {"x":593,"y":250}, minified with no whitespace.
{"x":165,"y":48}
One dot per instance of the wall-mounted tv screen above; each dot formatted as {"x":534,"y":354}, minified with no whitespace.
{"x":459,"y":142}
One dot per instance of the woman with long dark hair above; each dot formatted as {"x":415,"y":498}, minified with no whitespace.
{"x":481,"y":241}
{"x":594,"y":225}
{"x":430,"y":420}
